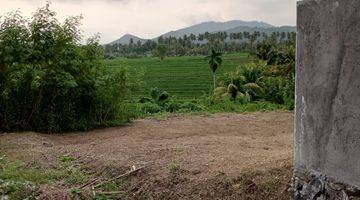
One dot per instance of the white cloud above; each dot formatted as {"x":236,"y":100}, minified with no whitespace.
{"x":150,"y":18}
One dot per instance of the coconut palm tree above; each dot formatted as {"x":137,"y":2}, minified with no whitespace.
{"x":215,"y":60}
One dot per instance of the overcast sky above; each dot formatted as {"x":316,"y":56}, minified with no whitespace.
{"x":151,"y":18}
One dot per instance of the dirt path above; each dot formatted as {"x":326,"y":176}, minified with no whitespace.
{"x":203,"y":146}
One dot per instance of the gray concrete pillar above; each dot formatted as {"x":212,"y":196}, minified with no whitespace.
{"x":327,"y":135}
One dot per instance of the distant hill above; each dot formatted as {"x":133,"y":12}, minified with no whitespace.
{"x":126,"y":39}
{"x":234,"y":26}
{"x":262,"y":29}
{"x":215,"y":27}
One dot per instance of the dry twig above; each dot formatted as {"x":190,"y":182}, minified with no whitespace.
{"x":129,"y":173}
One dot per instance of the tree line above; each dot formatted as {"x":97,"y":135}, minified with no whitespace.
{"x":191,"y":45}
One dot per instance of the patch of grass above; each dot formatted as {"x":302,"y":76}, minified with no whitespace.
{"x":228,"y":106}
{"x":66,"y":159}
{"x":76,"y":193}
{"x":72,"y":174}
{"x":209,"y":107}
{"x":174,"y":166}
{"x":20,"y":180}
{"x":20,"y":172}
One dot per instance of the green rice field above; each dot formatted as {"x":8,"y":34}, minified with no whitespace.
{"x":184,"y":77}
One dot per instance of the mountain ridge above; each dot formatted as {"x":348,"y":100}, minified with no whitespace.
{"x":212,"y":26}
{"x":232,"y":26}
{"x":125,"y":39}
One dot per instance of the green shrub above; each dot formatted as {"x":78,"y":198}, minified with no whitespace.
{"x":151,"y":108}
{"x":248,"y":79}
{"x":172,"y":106}
{"x":280,"y":90}
{"x":273,"y":89}
{"x":163,"y":98}
{"x":218,"y":92}
{"x":233,"y":91}
{"x":243,"y":98}
{"x":191,"y":107}
{"x":49,"y":82}
{"x":144,"y":100}
{"x":258,"y":81}
{"x":289,"y":92}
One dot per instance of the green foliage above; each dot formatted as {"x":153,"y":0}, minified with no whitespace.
{"x":218,"y":93}
{"x":160,"y":51}
{"x":76,"y":193}
{"x":49,"y":81}
{"x":66,"y":159}
{"x":240,"y":106}
{"x":289,"y":92}
{"x":215,"y":60}
{"x":187,"y":78}
{"x":159,"y":97}
{"x":248,"y":78}
{"x":162,"y":102}
{"x":193,"y":45}
{"x":190,"y":107}
{"x":17,"y":190}
{"x":233,"y":91}
{"x":264,"y":82}
{"x":151,"y":108}
{"x":20,"y":180}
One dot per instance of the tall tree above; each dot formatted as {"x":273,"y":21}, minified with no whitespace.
{"x":215,"y":60}
{"x":160,"y":51}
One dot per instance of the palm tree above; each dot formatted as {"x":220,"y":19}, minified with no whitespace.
{"x":215,"y":61}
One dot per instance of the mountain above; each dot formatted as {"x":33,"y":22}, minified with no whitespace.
{"x":215,"y":27}
{"x":126,"y":39}
{"x":234,"y":26}
{"x":262,"y":29}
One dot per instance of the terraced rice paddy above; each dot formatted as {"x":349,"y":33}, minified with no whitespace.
{"x":184,"y":77}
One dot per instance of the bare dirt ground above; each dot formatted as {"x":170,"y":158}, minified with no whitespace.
{"x":221,"y":156}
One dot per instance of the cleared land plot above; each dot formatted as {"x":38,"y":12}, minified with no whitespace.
{"x":184,"y":77}
{"x":222,"y":156}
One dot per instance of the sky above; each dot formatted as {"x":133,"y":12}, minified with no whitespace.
{"x":151,"y":18}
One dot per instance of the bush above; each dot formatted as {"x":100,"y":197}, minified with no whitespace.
{"x":233,"y":91}
{"x":218,"y":92}
{"x":172,"y":106}
{"x":151,"y":108}
{"x":289,"y":92}
{"x":145,"y":100}
{"x":273,"y":89}
{"x":49,"y":82}
{"x":163,"y":98}
{"x":189,"y":106}
{"x":280,"y":90}
{"x":258,"y":81}
{"x":243,"y":98}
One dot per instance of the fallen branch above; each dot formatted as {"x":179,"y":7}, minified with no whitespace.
{"x":110,"y":192}
{"x":129,"y":173}
{"x":89,"y":183}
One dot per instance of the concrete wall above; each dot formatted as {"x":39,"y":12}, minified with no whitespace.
{"x":327,"y":135}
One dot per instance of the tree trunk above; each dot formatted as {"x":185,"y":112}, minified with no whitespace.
{"x":214,"y":80}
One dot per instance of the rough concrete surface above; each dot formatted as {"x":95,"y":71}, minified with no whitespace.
{"x":327,"y":131}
